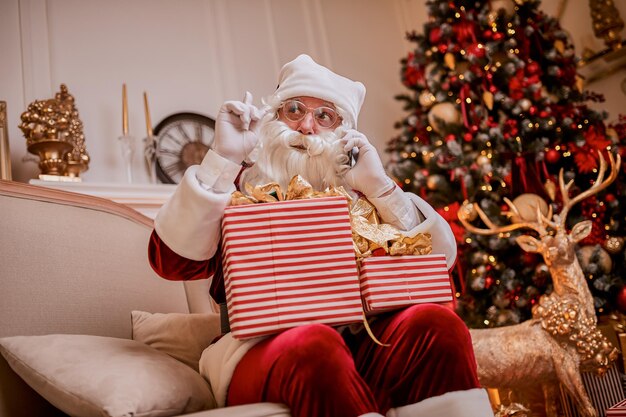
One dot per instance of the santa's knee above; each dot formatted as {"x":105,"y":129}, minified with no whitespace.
{"x":317,"y":352}
{"x":443,"y":331}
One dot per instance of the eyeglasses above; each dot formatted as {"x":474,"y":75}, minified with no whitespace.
{"x":295,"y":111}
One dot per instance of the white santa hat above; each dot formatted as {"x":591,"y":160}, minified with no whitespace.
{"x":303,"y":77}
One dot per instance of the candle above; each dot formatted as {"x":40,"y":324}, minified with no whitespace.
{"x":147,"y":111}
{"x":124,"y":111}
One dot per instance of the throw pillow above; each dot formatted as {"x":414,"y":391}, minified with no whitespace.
{"x":182,"y":336}
{"x":104,"y":376}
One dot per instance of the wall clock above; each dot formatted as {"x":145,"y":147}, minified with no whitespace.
{"x":182,"y":140}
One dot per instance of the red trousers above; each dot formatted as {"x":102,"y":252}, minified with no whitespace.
{"x":312,"y":370}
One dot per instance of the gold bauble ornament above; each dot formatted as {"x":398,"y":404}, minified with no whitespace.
{"x":604,"y":259}
{"x":527,"y":206}
{"x":614,"y":244}
{"x":426,"y":99}
{"x":468,"y":212}
{"x":507,"y":6}
{"x":433,"y":182}
{"x":525,"y":104}
{"x":442,"y":114}
{"x":483,"y":160}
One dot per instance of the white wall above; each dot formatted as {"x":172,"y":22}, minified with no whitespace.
{"x":191,"y":55}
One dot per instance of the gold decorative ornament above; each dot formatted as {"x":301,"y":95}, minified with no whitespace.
{"x":54,"y":132}
{"x":614,"y":245}
{"x":607,"y":25}
{"x":562,"y":337}
{"x":449,"y":60}
{"x":488,"y":99}
{"x":442,"y":115}
{"x":550,"y":188}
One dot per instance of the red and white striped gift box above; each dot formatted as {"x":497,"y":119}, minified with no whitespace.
{"x":389,"y":282}
{"x":618,"y":410}
{"x":289,"y":263}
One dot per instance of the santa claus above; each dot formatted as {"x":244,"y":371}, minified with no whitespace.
{"x":308,"y":127}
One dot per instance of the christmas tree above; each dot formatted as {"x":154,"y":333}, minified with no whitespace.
{"x":496,"y":109}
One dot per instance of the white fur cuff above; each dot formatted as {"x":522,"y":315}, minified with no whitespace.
{"x":189,"y":223}
{"x":218,"y":173}
{"x":469,"y":403}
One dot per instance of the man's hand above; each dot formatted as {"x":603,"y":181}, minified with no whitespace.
{"x":367,"y":175}
{"x":236,"y":129}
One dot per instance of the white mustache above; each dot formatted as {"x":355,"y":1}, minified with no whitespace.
{"x":313,"y":144}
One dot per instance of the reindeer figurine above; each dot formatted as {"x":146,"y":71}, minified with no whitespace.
{"x":562,"y":338}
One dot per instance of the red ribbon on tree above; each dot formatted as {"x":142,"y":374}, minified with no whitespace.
{"x":451,"y":217}
{"x":464,"y":93}
{"x":525,"y":177}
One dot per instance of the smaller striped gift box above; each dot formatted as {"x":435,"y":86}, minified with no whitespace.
{"x":604,"y":391}
{"x":289,"y":263}
{"x":618,"y":410}
{"x":390,"y":282}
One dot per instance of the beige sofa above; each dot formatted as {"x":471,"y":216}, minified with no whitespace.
{"x":72,"y":269}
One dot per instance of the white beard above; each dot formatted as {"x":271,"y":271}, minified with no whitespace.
{"x":279,"y":159}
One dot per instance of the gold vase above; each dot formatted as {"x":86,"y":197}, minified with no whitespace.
{"x":51,"y":154}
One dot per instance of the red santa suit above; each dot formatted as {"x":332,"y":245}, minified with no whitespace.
{"x":429,"y":367}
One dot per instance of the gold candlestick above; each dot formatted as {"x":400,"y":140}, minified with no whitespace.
{"x":147,"y":111}
{"x":124,"y":111}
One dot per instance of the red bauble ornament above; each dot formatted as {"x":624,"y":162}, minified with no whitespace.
{"x":532,"y":68}
{"x":497,"y":36}
{"x":435,"y":35}
{"x":442,"y":48}
{"x":475,"y":50}
{"x":488,"y":282}
{"x":529,"y":258}
{"x":467,"y":137}
{"x":553,"y":156}
{"x":609,"y":198}
{"x":620,"y":300}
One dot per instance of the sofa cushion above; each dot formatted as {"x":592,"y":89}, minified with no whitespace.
{"x":180,"y":335}
{"x":103,"y":376}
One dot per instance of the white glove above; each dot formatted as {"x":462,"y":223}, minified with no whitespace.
{"x":367,"y":175}
{"x":236,"y":129}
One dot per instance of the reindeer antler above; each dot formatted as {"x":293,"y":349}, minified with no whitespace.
{"x":599,"y":185}
{"x":492,"y":228}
